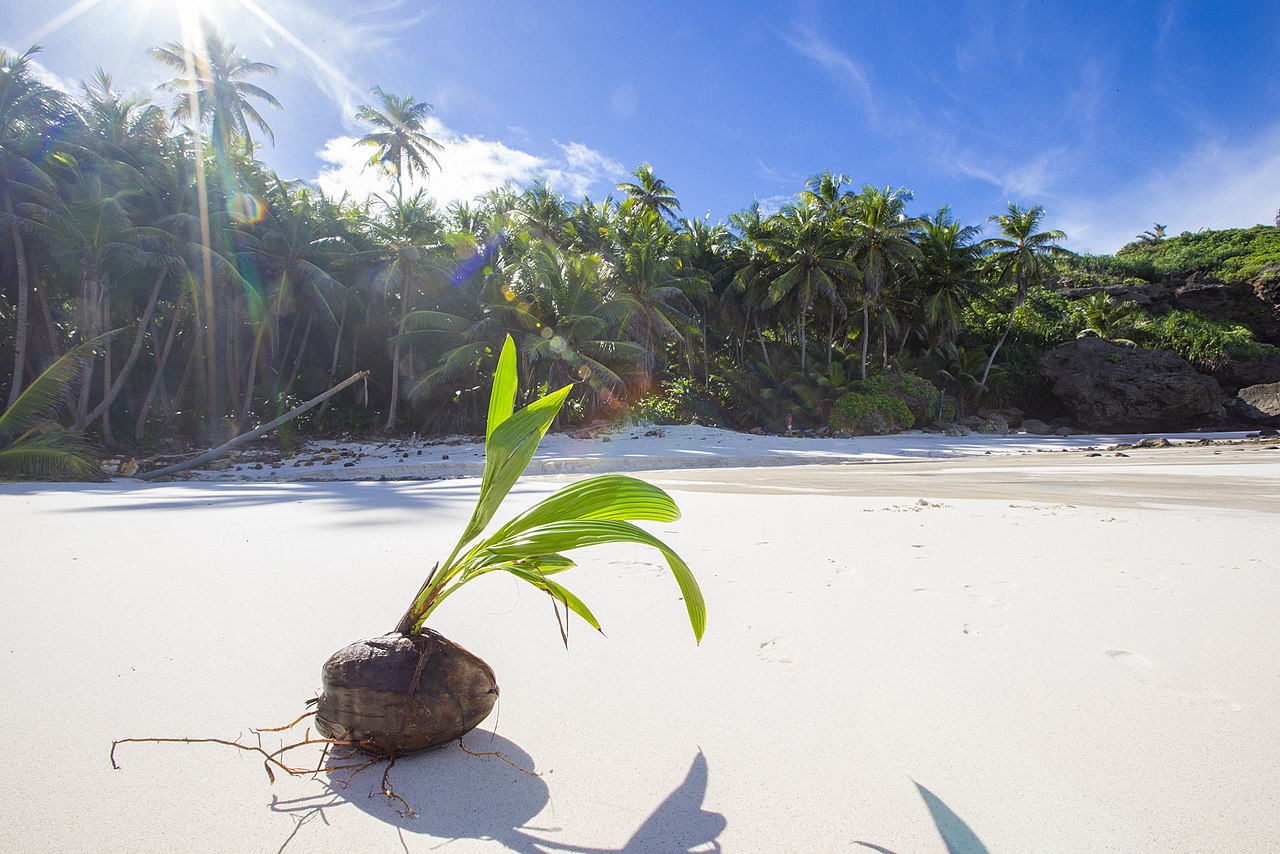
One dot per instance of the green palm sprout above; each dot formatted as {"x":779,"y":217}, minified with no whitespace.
{"x":592,"y":512}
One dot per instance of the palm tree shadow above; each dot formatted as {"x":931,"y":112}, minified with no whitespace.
{"x":455,"y":795}
{"x":452,"y":795}
{"x":678,"y":824}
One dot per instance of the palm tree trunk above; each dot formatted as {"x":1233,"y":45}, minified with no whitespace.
{"x":866,"y":334}
{"x":109,"y":394}
{"x":251,"y":376}
{"x":89,"y":317}
{"x":831,"y":338}
{"x":395,"y":381}
{"x":212,"y":408}
{"x":176,"y":401}
{"x":337,"y":345}
{"x":982,"y":384}
{"x":161,"y":362}
{"x":20,"y":321}
{"x":108,"y":437}
{"x":297,"y":362}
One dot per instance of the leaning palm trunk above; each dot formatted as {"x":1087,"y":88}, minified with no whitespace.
{"x":982,"y":384}
{"x":161,"y":361}
{"x":110,"y":393}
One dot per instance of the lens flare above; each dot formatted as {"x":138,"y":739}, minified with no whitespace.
{"x":245,"y":209}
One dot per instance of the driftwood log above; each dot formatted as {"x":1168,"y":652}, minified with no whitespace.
{"x":394,"y":694}
{"x":223,"y":450}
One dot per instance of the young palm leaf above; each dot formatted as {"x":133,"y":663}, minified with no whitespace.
{"x":592,"y":512}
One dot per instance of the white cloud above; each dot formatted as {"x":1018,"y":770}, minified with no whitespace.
{"x":469,"y":166}
{"x":42,"y":73}
{"x":1026,"y":178}
{"x":839,"y":65}
{"x":1220,"y":184}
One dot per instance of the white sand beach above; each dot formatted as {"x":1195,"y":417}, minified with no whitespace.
{"x":1048,"y":652}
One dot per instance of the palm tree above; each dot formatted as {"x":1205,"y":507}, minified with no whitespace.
{"x":401,"y":145}
{"x":647,"y":270}
{"x":215,"y":93}
{"x":1152,"y":235}
{"x":808,"y":263}
{"x":947,"y":274}
{"x":880,"y":234}
{"x":28,"y":111}
{"x":405,"y":236}
{"x":650,"y":193}
{"x":1018,"y":258}
{"x":1102,"y":317}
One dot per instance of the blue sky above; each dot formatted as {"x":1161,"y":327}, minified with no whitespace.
{"x":1111,"y":115}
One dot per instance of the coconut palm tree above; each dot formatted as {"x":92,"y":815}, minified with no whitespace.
{"x":947,"y":274}
{"x":28,"y":110}
{"x":881,"y":244}
{"x":401,"y":145}
{"x":214,"y":91}
{"x":405,"y":234}
{"x":809,"y":264}
{"x":650,"y":193}
{"x":1018,"y":257}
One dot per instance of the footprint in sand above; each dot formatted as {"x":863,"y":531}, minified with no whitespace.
{"x":1158,"y":584}
{"x":634,"y":568}
{"x":777,"y":651}
{"x":974,"y":630}
{"x":1144,"y":668}
{"x":1131,"y":659}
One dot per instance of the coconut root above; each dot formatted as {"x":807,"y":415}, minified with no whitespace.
{"x":329,"y":762}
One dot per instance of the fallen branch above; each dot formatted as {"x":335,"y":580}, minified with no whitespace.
{"x":223,"y":450}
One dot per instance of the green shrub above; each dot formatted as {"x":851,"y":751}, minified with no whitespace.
{"x":874,"y":413}
{"x":918,"y":394}
{"x":1203,"y":342}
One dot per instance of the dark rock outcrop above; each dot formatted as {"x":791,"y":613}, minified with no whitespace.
{"x":1235,"y":374}
{"x":1036,"y":427}
{"x":1259,"y":404}
{"x":1110,"y":387}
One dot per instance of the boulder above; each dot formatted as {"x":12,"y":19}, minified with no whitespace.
{"x":1036,"y":427}
{"x":1235,"y":374}
{"x":956,"y":430}
{"x":1258,"y":403}
{"x":1110,"y":387}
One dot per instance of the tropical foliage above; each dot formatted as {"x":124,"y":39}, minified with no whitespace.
{"x":239,"y":292}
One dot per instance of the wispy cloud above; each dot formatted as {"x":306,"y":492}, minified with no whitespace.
{"x":1028,"y":177}
{"x":842,"y":67}
{"x":1219,"y":184}
{"x":469,"y":166}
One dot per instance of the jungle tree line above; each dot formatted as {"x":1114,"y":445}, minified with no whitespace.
{"x":219,"y":292}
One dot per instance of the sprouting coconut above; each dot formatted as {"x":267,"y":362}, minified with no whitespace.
{"x":414,"y":688}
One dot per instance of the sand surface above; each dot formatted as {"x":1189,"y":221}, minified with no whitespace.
{"x":1050,"y":653}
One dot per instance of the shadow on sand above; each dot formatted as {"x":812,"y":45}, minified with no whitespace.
{"x":956,"y":835}
{"x":458,"y":796}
